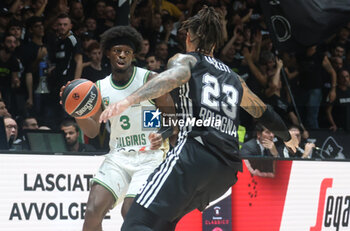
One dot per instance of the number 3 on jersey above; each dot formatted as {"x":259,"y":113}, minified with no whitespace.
{"x":211,"y":93}
{"x":124,"y":122}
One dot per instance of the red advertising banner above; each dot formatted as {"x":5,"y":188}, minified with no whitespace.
{"x":257,"y":202}
{"x":303,"y":196}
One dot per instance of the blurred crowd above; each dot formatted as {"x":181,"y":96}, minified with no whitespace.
{"x":45,"y":43}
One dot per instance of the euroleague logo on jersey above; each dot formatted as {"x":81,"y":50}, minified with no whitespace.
{"x":333,"y":211}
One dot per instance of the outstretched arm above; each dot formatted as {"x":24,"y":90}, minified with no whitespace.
{"x":267,"y":116}
{"x":178,"y":73}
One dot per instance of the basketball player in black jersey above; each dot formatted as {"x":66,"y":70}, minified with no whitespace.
{"x":204,"y":163}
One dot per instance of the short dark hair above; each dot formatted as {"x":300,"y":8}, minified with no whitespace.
{"x":94,"y":45}
{"x":259,"y":128}
{"x":121,"y":35}
{"x":341,"y":70}
{"x":70,"y":122}
{"x":294,"y":126}
{"x":63,"y":15}
{"x":207,"y":29}
{"x":339,"y":45}
{"x":150,"y":54}
{"x":24,"y":122}
{"x":5,"y":36}
{"x":14,"y":23}
{"x":32,"y":20}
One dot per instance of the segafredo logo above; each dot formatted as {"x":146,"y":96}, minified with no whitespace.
{"x":333,"y":210}
{"x":89,"y":105}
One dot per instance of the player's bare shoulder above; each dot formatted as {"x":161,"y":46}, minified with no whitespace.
{"x":183,"y":60}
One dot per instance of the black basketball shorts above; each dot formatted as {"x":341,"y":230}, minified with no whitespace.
{"x":189,"y":178}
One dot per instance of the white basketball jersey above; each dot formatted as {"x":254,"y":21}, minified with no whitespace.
{"x":127,"y":131}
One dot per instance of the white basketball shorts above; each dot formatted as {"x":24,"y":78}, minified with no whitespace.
{"x":124,"y":173}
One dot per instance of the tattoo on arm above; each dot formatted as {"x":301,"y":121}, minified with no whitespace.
{"x":251,"y":103}
{"x":178,"y":73}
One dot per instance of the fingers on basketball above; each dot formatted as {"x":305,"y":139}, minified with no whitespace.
{"x":81,"y":98}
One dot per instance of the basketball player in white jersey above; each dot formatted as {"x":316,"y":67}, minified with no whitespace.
{"x":134,"y":152}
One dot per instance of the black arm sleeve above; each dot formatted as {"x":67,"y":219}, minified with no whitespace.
{"x":272,"y":121}
{"x":166,"y":132}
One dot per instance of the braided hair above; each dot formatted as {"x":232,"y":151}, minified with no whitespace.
{"x":206,"y":29}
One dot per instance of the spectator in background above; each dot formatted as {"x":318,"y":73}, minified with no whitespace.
{"x":71,"y":131}
{"x":262,"y":145}
{"x":94,"y":71}
{"x":86,"y":39}
{"x":273,"y":96}
{"x":19,"y":93}
{"x":67,"y":52}
{"x":16,"y":9}
{"x":342,"y":38}
{"x":37,"y":71}
{"x":109,"y":19}
{"x":227,"y":53}
{"x":337,"y":63}
{"x":79,"y":29}
{"x":76,"y":12}
{"x":12,"y":133}
{"x":338,"y":51}
{"x":179,"y":45}
{"x":314,"y":64}
{"x":26,"y":14}
{"x":30,"y":123}
{"x":168,"y":30}
{"x":153,"y":63}
{"x":3,"y":109}
{"x":261,"y":73}
{"x":5,"y":17}
{"x":99,"y":11}
{"x":141,"y":56}
{"x":161,"y":51}
{"x":68,"y":61}
{"x":9,"y":69}
{"x":338,"y":112}
{"x":15,"y":28}
{"x":91,"y":27}
{"x":151,"y":30}
{"x":304,"y":151}
{"x":38,"y":7}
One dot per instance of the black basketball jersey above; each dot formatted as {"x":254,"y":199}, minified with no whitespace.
{"x":208,"y":104}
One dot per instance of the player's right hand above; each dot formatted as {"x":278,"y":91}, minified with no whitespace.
{"x":156,"y":140}
{"x":62,"y":89}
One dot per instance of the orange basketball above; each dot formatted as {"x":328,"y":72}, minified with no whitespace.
{"x":81,"y":98}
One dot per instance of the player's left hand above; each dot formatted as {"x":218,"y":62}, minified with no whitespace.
{"x":155,"y":140}
{"x":114,"y":109}
{"x":292,"y":143}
